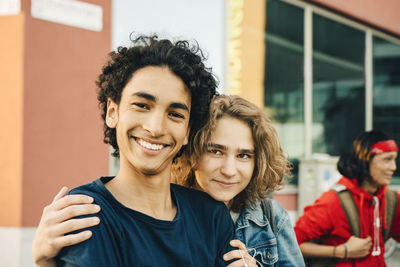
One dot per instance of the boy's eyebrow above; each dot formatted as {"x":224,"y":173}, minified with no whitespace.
{"x":154,"y":99}
{"x":145,"y":96}
{"x":179,"y":105}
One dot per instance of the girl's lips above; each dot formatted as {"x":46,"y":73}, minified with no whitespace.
{"x":224,"y":184}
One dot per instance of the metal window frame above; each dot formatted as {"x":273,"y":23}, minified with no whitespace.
{"x":309,"y":10}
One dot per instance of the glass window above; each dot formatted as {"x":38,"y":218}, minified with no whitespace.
{"x":338,"y":85}
{"x":386,"y":96}
{"x":283,"y":83}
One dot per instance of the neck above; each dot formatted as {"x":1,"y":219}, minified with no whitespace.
{"x":369,"y":187}
{"x":148,"y":194}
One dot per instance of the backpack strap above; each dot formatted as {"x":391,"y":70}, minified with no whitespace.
{"x":349,"y":207}
{"x":266,"y":205}
{"x":353,"y":217}
{"x":391,"y":207}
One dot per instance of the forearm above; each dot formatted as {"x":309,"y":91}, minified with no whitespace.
{"x":310,"y":249}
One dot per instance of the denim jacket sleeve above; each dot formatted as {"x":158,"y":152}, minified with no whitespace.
{"x":288,"y":248}
{"x":254,"y":230}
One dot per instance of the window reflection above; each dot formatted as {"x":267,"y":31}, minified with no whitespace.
{"x":386,"y":96}
{"x":338,"y":85}
{"x":283,"y":83}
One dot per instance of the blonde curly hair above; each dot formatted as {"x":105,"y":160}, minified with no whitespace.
{"x":271,"y":165}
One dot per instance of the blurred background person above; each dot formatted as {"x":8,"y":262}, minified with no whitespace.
{"x":367,"y":171}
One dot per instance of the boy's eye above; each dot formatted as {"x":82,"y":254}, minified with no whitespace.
{"x":141,"y":105}
{"x":176,"y":115}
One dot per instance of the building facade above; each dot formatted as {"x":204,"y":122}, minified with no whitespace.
{"x":324,"y":70}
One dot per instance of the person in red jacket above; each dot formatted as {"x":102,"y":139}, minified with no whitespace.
{"x":367,"y":171}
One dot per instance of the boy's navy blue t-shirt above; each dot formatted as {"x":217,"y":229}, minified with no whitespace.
{"x":199,"y":235}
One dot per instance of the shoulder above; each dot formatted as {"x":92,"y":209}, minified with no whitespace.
{"x":328,"y":198}
{"x":95,"y":189}
{"x":199,"y":206}
{"x":279,"y":210}
{"x":281,"y":217}
{"x":194,"y":196}
{"x":89,"y":188}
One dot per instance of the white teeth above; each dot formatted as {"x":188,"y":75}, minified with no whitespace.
{"x":149,"y":145}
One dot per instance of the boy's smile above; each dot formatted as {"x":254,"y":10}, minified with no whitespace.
{"x":151,"y":120}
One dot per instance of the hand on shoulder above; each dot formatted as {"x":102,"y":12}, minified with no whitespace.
{"x":57,"y":221}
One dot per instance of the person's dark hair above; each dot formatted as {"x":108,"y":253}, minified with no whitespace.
{"x":184,"y":59}
{"x":355,"y":163}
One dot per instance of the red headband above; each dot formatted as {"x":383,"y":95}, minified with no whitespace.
{"x":384,"y":146}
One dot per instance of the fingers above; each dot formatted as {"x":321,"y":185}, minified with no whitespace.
{"x":244,"y":258}
{"x":60,"y":194}
{"x":238,"y":244}
{"x":76,"y":210}
{"x":72,"y":239}
{"x":69,"y":200}
{"x":73,"y":225}
{"x":237,"y":253}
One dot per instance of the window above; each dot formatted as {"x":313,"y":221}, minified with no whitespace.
{"x":347,"y":95}
{"x":386,"y":94}
{"x":284,"y":75}
{"x":338,"y":85}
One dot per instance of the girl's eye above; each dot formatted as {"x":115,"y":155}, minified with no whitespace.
{"x":215,"y":152}
{"x":244,"y":156}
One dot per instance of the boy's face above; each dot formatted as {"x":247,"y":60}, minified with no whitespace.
{"x":152,"y":119}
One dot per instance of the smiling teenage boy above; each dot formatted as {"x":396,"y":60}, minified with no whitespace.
{"x":154,"y":96}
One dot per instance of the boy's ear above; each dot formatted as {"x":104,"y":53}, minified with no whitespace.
{"x":112,"y":114}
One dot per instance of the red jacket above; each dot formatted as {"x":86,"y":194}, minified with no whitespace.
{"x":326,"y":220}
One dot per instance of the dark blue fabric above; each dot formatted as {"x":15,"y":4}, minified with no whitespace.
{"x":199,"y":235}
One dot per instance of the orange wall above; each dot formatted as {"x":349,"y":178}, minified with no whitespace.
{"x":11,"y":109}
{"x":382,"y":14}
{"x":63,"y":132}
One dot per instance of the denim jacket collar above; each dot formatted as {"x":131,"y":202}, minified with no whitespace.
{"x":254,"y":214}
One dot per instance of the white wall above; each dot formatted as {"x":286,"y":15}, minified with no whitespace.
{"x":203,"y":21}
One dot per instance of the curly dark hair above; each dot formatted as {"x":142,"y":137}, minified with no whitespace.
{"x":355,"y":163}
{"x":271,"y":165}
{"x":184,"y":59}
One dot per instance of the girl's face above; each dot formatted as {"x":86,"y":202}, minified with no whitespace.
{"x":382,"y":167}
{"x":227,"y":166}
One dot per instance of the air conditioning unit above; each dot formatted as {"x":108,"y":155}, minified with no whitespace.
{"x":316,"y":175}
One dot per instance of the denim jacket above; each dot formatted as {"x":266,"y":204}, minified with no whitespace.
{"x":253,"y":229}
